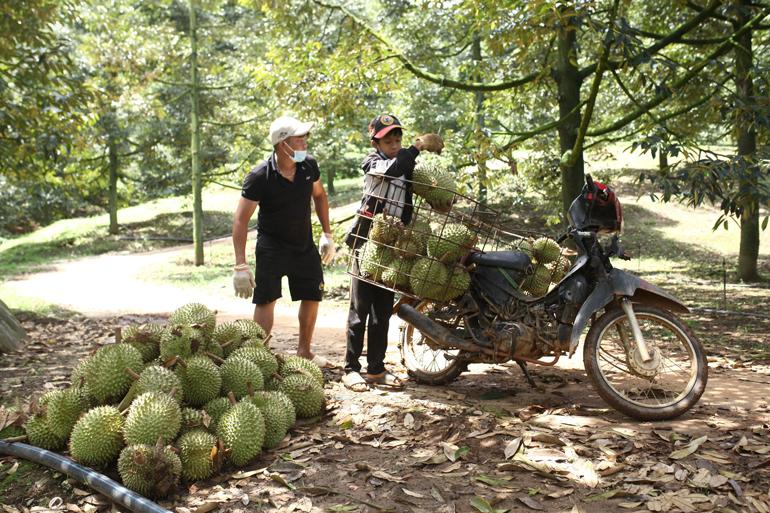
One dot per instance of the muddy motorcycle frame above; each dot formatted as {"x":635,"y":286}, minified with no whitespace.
{"x":642,"y":359}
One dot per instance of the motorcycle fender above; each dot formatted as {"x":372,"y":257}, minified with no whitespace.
{"x":621,"y":284}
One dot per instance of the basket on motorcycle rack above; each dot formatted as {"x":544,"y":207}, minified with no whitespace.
{"x":421,"y":250}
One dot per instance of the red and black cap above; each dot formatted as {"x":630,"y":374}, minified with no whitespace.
{"x":383,"y":124}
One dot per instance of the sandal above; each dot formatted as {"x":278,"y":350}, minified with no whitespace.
{"x":385,"y":379}
{"x":355,"y":382}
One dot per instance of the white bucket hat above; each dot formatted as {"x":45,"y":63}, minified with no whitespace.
{"x":287,"y":126}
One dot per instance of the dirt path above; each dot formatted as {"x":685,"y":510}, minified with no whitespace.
{"x":440,"y":449}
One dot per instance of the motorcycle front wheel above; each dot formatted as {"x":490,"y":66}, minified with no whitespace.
{"x":425,"y":362}
{"x":661,"y":388}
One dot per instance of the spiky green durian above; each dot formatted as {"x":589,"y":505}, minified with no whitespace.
{"x":195,"y":315}
{"x":290,"y":414}
{"x":197,"y":450}
{"x":152,"y":415}
{"x":428,"y":278}
{"x":276,"y":425}
{"x":459,"y":282}
{"x":201,"y":380}
{"x":559,"y":268}
{"x":385,"y":229}
{"x":451,"y":242}
{"x":107,"y":378}
{"x":262,"y":356}
{"x":295,"y":363}
{"x":159,"y":379}
{"x":180,"y":341}
{"x":97,"y":437}
{"x":305,"y":393}
{"x":39,"y":434}
{"x":215,"y":409}
{"x":397,"y":275}
{"x":525,"y":246}
{"x":434,"y":183}
{"x":537,"y":283}
{"x":229,"y":336}
{"x":78,"y":376}
{"x":63,"y":408}
{"x":151,"y":471}
{"x":240,"y":375}
{"x":194,"y":419}
{"x":546,"y":250}
{"x":418,"y":232}
{"x":242,"y":430}
{"x":145,"y":338}
{"x":251,"y":330}
{"x":373,"y":260}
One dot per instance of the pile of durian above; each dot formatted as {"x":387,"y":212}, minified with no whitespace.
{"x":178,"y":400}
{"x":549,"y":264}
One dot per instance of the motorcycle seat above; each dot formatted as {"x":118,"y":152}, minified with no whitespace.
{"x":504,"y":259}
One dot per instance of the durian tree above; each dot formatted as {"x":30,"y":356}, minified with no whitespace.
{"x":11,"y":332}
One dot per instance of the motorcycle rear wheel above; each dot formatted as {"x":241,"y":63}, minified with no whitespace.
{"x":425,"y":364}
{"x":665,"y":391}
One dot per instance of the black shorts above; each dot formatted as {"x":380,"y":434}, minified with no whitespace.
{"x":306,"y":280}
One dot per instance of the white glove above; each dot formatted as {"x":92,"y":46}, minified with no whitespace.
{"x":326,"y":248}
{"x":243,"y":281}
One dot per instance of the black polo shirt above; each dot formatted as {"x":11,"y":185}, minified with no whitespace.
{"x":284,"y":206}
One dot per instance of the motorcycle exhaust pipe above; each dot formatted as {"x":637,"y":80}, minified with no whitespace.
{"x":435,"y":331}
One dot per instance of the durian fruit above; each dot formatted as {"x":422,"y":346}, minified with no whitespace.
{"x":525,"y":246}
{"x":180,"y":342}
{"x":78,"y":376}
{"x":428,"y":278}
{"x":289,"y":412}
{"x":194,"y":419}
{"x":97,"y":437}
{"x":242,"y":430}
{"x":385,"y":229}
{"x":198,"y":452}
{"x":262,"y":356}
{"x":418,"y":232}
{"x":251,"y":330}
{"x":107,"y":378}
{"x":434,"y":183}
{"x":152,"y":415}
{"x":295,"y":363}
{"x":559,"y":268}
{"x":546,"y":250}
{"x":201,"y":380}
{"x":276,"y":425}
{"x":151,"y":471}
{"x":215,"y":409}
{"x":397,"y":276}
{"x":229,"y":337}
{"x":459,"y":282}
{"x":450,"y":243}
{"x":196,"y":316}
{"x":305,"y":393}
{"x":537,"y":283}
{"x":240,"y":375}
{"x":145,"y":338}
{"x":39,"y":434}
{"x":156,"y":378}
{"x":63,"y":408}
{"x":374,"y":260}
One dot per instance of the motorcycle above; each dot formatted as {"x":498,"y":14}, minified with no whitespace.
{"x":642,"y":359}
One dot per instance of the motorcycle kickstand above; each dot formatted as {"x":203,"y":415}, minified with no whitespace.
{"x":527,"y":375}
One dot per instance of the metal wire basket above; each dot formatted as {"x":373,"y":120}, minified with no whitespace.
{"x":419,"y":250}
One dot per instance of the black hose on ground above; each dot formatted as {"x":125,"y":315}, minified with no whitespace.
{"x":99,"y":482}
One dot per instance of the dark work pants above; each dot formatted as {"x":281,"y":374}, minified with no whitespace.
{"x":370,"y":310}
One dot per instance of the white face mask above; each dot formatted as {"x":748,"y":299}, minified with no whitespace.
{"x":297,"y":155}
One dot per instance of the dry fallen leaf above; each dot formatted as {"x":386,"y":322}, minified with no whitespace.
{"x":530,"y":502}
{"x":688,"y":449}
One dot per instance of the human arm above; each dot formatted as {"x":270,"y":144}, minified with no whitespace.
{"x":321,"y":202}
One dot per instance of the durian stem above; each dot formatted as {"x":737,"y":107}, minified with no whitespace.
{"x":267,"y":339}
{"x":226,"y":344}
{"x":231,"y":397}
{"x":20,"y":438}
{"x":250,"y":388}
{"x":130,"y":372}
{"x":173,"y":361}
{"x":214,"y":357}
{"x":180,"y":361}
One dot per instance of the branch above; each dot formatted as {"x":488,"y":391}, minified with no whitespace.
{"x":666,"y":93}
{"x":523,"y":136}
{"x":672,"y":37}
{"x":685,"y":41}
{"x":426,"y":75}
{"x":696,"y":7}
{"x":236,"y":123}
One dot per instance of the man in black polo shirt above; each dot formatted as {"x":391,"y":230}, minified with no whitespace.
{"x":282,"y":187}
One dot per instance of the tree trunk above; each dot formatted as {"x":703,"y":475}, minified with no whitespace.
{"x":11,"y":332}
{"x":746,"y":138}
{"x":195,"y":145}
{"x":481,"y":161}
{"x":662,"y":161}
{"x":112,"y":149}
{"x":569,"y":81}
{"x":330,"y":180}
